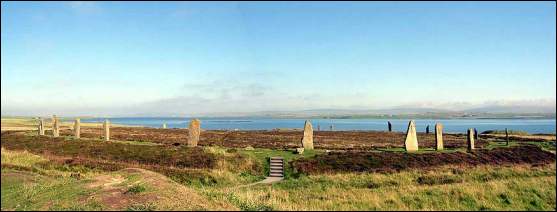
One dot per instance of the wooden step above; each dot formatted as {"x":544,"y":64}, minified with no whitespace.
{"x":277,"y":167}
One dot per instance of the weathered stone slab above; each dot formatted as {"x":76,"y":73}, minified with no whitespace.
{"x":106,"y":127}
{"x":77,"y":128}
{"x":194,"y":129}
{"x":470,"y":139}
{"x":41,"y":126}
{"x":55,"y":126}
{"x":307,"y":140}
{"x":390,"y":126}
{"x":411,"y":142}
{"x":427,"y":129}
{"x":439,"y":136}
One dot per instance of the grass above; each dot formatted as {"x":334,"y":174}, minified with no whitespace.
{"x":511,"y":132}
{"x":449,"y":188}
{"x":264,"y":155}
{"x":545,"y":145}
{"x":36,"y":175}
{"x":112,"y":151}
{"x":348,"y":162}
{"x":26,"y":123}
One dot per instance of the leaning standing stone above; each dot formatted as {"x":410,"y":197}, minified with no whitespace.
{"x":470,"y":139}
{"x":411,"y":142}
{"x":307,"y":140}
{"x":106,"y":126}
{"x":193,"y":132}
{"x":439,"y":136}
{"x":77,"y":128}
{"x":55,"y":127}
{"x":41,"y":126}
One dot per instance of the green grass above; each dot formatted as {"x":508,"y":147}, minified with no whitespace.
{"x":451,"y":188}
{"x":545,"y":145}
{"x":511,"y":132}
{"x":24,"y":191}
{"x":136,"y":189}
{"x":264,"y":155}
{"x":31,"y":182}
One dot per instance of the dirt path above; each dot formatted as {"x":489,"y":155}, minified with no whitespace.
{"x":268,"y":180}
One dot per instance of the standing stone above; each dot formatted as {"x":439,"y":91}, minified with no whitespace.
{"x":318,"y":127}
{"x":331,"y":127}
{"x":307,"y":140}
{"x":439,"y":136}
{"x":507,"y":136}
{"x":427,"y":129}
{"x":55,"y":127}
{"x":476,"y":135}
{"x":193,"y":132}
{"x":41,"y":126}
{"x":470,"y":139}
{"x":77,"y":128}
{"x":390,"y":126}
{"x":106,"y":127}
{"x":164,"y":125}
{"x":411,"y":142}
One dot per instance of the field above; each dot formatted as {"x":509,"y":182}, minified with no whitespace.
{"x":151,"y":169}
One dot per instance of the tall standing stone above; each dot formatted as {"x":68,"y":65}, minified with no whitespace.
{"x":164,"y":125}
{"x":507,"y":136}
{"x":106,"y":127}
{"x":427,"y":129}
{"x":439,"y":136}
{"x":193,"y":132}
{"x":331,"y":127}
{"x":476,"y":135}
{"x":470,"y":139}
{"x":411,"y":142}
{"x":390,"y":126}
{"x":41,"y":126}
{"x":307,"y":140}
{"x":77,"y":128}
{"x":55,"y":127}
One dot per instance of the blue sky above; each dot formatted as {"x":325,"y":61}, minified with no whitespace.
{"x":110,"y":58}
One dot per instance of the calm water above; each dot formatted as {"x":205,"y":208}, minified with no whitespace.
{"x":450,"y":125}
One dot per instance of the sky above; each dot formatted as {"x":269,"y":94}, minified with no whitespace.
{"x":187,"y":58}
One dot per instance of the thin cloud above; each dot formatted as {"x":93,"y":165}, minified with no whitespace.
{"x":85,"y":7}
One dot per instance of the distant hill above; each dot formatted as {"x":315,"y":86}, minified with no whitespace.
{"x":513,"y":109}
